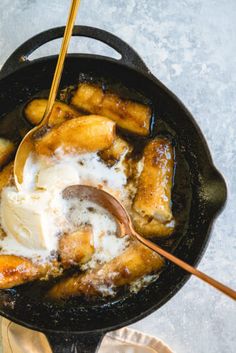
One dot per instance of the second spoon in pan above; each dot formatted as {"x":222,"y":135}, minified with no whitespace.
{"x":27,"y":144}
{"x":110,"y":203}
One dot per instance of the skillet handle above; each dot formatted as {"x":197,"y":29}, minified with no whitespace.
{"x":74,"y":343}
{"x":21,"y":54}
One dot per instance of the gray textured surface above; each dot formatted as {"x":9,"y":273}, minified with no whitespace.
{"x":190,"y":46}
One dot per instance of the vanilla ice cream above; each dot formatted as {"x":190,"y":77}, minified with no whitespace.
{"x":34,"y":216}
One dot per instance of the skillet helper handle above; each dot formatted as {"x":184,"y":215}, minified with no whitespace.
{"x":21,"y":54}
{"x":74,"y":343}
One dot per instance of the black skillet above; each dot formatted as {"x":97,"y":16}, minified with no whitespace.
{"x":199,"y":194}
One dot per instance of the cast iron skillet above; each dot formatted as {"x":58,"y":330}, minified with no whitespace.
{"x":79,"y":326}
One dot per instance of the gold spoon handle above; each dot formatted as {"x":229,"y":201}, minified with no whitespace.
{"x":220,"y":286}
{"x":61,"y":59}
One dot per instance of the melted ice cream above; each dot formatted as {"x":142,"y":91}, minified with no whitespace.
{"x":34,"y":217}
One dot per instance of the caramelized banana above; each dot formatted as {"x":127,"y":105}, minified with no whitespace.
{"x":136,"y":261}
{"x":15,"y":270}
{"x":114,"y":153}
{"x":6,"y":175}
{"x":85,"y":134}
{"x":129,"y":115}
{"x":35,"y":110}
{"x":77,"y":247}
{"x":151,"y":228}
{"x":6,"y":150}
{"x":153,"y":197}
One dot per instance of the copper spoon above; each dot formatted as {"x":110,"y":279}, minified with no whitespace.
{"x":110,"y":203}
{"x":26,"y":146}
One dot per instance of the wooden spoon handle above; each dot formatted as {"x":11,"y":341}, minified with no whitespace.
{"x":61,"y":59}
{"x":221,"y":287}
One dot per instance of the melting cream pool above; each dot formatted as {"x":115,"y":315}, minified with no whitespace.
{"x":34,"y":217}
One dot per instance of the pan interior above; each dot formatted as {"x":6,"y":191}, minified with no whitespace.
{"x":27,"y":304}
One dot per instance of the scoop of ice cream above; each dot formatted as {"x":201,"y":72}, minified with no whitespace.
{"x":34,"y":215}
{"x":26,"y":217}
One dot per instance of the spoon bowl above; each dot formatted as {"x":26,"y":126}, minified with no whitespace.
{"x":25,"y":148}
{"x":105,"y":200}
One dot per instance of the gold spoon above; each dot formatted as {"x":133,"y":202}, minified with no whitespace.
{"x":110,"y":203}
{"x":26,"y":146}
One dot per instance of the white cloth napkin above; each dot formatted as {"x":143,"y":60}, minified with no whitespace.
{"x":18,"y":339}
